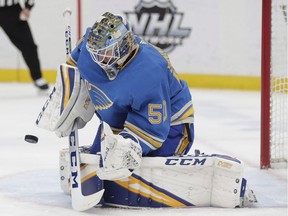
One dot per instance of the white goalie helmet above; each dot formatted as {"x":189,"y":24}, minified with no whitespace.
{"x":110,"y":42}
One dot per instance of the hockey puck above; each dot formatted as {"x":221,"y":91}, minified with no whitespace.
{"x":31,"y":139}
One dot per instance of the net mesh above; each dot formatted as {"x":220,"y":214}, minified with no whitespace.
{"x":279,"y":84}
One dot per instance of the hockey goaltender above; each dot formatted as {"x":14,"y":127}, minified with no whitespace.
{"x":140,"y":155}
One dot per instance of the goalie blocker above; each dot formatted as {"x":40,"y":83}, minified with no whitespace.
{"x":199,"y":180}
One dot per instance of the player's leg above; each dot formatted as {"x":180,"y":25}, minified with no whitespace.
{"x":20,"y":35}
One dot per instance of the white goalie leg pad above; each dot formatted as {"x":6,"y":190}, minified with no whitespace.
{"x":227,"y":183}
{"x":68,"y":101}
{"x":119,"y":155}
{"x":64,"y":165}
{"x":90,"y":168}
{"x":205,"y":180}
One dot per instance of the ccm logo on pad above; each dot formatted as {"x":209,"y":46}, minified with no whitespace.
{"x":185,"y":161}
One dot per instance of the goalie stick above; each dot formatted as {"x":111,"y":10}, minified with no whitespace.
{"x":79,"y":201}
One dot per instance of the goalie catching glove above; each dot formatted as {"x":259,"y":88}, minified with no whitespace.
{"x":69,"y":101}
{"x":120,"y":156}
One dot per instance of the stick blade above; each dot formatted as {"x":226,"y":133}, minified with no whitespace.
{"x":84,"y":203}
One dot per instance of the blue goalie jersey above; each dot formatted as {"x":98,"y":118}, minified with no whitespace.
{"x":146,"y":100}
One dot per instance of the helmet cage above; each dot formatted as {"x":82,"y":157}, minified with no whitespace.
{"x":106,"y":56}
{"x":110,"y":42}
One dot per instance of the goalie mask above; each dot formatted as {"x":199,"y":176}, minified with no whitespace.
{"x":110,"y":42}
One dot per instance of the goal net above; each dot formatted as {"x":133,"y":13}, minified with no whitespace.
{"x":274,"y":90}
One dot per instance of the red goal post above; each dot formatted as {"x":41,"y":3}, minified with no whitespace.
{"x":274,"y":84}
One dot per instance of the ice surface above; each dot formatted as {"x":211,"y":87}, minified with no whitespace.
{"x":226,"y":122}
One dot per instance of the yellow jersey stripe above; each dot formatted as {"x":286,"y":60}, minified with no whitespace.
{"x":189,"y":112}
{"x":184,"y":142}
{"x":149,"y":139}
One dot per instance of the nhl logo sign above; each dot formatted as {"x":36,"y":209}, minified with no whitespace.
{"x":159,"y":23}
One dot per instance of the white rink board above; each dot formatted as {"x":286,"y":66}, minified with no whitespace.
{"x":224,"y":37}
